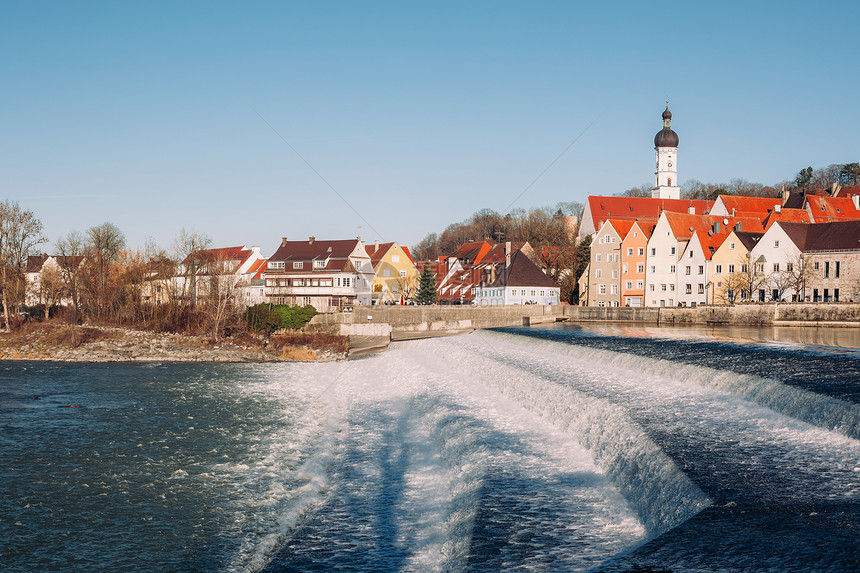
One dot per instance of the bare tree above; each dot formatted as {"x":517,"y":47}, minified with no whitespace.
{"x":748,"y":278}
{"x":104,"y":244}
{"x":188,"y":249}
{"x":20,"y":232}
{"x":70,"y":256}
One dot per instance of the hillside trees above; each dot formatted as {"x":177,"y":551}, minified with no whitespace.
{"x":20,"y":233}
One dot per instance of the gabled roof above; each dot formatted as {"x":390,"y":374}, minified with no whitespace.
{"x":737,"y":204}
{"x":786,"y":215}
{"x":472,"y":253}
{"x":748,"y":239}
{"x":646,"y":226}
{"x":601,"y":208}
{"x":35,"y":262}
{"x":522,"y":273}
{"x":620,"y":226}
{"x":833,"y":236}
{"x":239,"y":254}
{"x":497,"y":253}
{"x":312,"y":250}
{"x":683,"y":225}
{"x":826,"y":209}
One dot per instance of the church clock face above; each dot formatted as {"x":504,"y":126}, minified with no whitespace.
{"x":669,"y":164}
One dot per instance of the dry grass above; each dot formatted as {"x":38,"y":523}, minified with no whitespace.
{"x":55,"y":334}
{"x":319,"y":342}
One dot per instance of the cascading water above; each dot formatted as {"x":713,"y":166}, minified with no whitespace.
{"x":527,"y":449}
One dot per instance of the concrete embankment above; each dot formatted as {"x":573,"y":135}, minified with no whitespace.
{"x":783,"y":314}
{"x":371,"y":329}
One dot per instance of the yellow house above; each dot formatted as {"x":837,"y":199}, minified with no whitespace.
{"x":728,"y":265}
{"x":396,"y":279}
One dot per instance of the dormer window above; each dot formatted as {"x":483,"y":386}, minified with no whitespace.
{"x":298,"y":265}
{"x":319,"y":264}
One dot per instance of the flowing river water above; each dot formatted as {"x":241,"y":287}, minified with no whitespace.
{"x":545,"y":449}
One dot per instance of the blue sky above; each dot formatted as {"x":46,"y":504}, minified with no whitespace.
{"x":156,"y":116}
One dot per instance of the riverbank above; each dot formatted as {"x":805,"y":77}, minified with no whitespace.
{"x":89,"y":343}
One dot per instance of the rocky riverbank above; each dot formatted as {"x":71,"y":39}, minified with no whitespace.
{"x":66,"y":343}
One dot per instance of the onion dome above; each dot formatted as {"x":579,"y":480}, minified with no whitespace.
{"x":666,"y":137}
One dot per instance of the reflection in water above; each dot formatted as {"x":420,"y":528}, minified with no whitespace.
{"x":824,"y":337}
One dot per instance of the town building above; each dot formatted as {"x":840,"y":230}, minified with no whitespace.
{"x":633,"y":258}
{"x":396,"y":278}
{"x":328,"y":275}
{"x":605,"y":264}
{"x":729,"y":268}
{"x":516,"y":280}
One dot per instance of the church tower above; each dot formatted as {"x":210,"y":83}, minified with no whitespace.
{"x":666,"y":146}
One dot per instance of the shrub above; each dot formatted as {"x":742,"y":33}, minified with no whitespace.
{"x":270,"y":318}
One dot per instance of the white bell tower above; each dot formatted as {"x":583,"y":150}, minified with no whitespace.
{"x":666,"y":175}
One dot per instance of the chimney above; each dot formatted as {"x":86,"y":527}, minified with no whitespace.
{"x":733,"y":211}
{"x":785,"y":194}
{"x":256,"y":250}
{"x":311,"y":240}
{"x":856,"y":199}
{"x":777,"y":208}
{"x":738,"y":227}
{"x":691,"y":210}
{"x":508,"y":254}
{"x":284,"y":242}
{"x":375,"y":245}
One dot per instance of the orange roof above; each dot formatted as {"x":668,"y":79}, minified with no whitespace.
{"x":631,"y":208}
{"x":828,"y":209}
{"x":257,"y":268}
{"x":683,"y":225}
{"x":645,"y":226}
{"x":621,"y":226}
{"x":786,"y":215}
{"x":473,"y":252}
{"x":376,"y":252}
{"x":738,"y":204}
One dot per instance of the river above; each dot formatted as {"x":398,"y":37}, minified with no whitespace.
{"x":545,"y":449}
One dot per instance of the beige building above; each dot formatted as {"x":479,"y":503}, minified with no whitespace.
{"x":396,"y":278}
{"x":605,"y":265}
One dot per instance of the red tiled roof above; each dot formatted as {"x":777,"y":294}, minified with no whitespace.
{"x":603,"y":208}
{"x":827,"y":209}
{"x":738,"y":204}
{"x":684,"y":225}
{"x":786,"y":215}
{"x":313,"y":250}
{"x":472,"y":253}
{"x":239,"y":253}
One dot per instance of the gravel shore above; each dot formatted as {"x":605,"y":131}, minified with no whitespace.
{"x":111,"y":344}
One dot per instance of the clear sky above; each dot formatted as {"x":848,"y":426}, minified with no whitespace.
{"x":404,"y":117}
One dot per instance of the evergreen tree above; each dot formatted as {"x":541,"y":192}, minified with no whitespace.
{"x":427,"y":287}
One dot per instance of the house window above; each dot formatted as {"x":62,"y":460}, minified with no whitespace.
{"x":319,"y":264}
{"x":597,"y":273}
{"x":691,"y":254}
{"x":613,"y":288}
{"x":689,"y":288}
{"x":776,"y":267}
{"x":776,"y":244}
{"x":816,"y":265}
{"x":789,"y":267}
{"x":671,"y":268}
{"x":731,"y":246}
{"x":701,"y":288}
{"x":701,"y":269}
{"x":403,"y":274}
{"x":298,"y":265}
{"x":663,"y":287}
{"x":639,"y":285}
{"x":641,"y":251}
{"x":347,"y":282}
{"x":672,"y":287}
{"x":395,"y":258}
{"x":731,"y":268}
{"x":597,"y":257}
{"x":513,"y":292}
{"x":688,"y":269}
{"x":628,"y":285}
{"x":606,"y":238}
{"x":624,"y":268}
{"x":640,"y":268}
{"x":522,"y":292}
{"x":826,"y":269}
{"x":386,"y":272}
{"x":719,"y":269}
{"x":744,"y":268}
{"x":653,"y":251}
{"x":395,"y":288}
{"x":671,"y":250}
{"x":601,"y":303}
{"x":651,"y":287}
{"x":533,"y":293}
{"x":615,"y":273}
{"x":629,"y":251}
{"x":836,"y":270}
{"x":601,"y":289}
{"x":653,"y":269}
